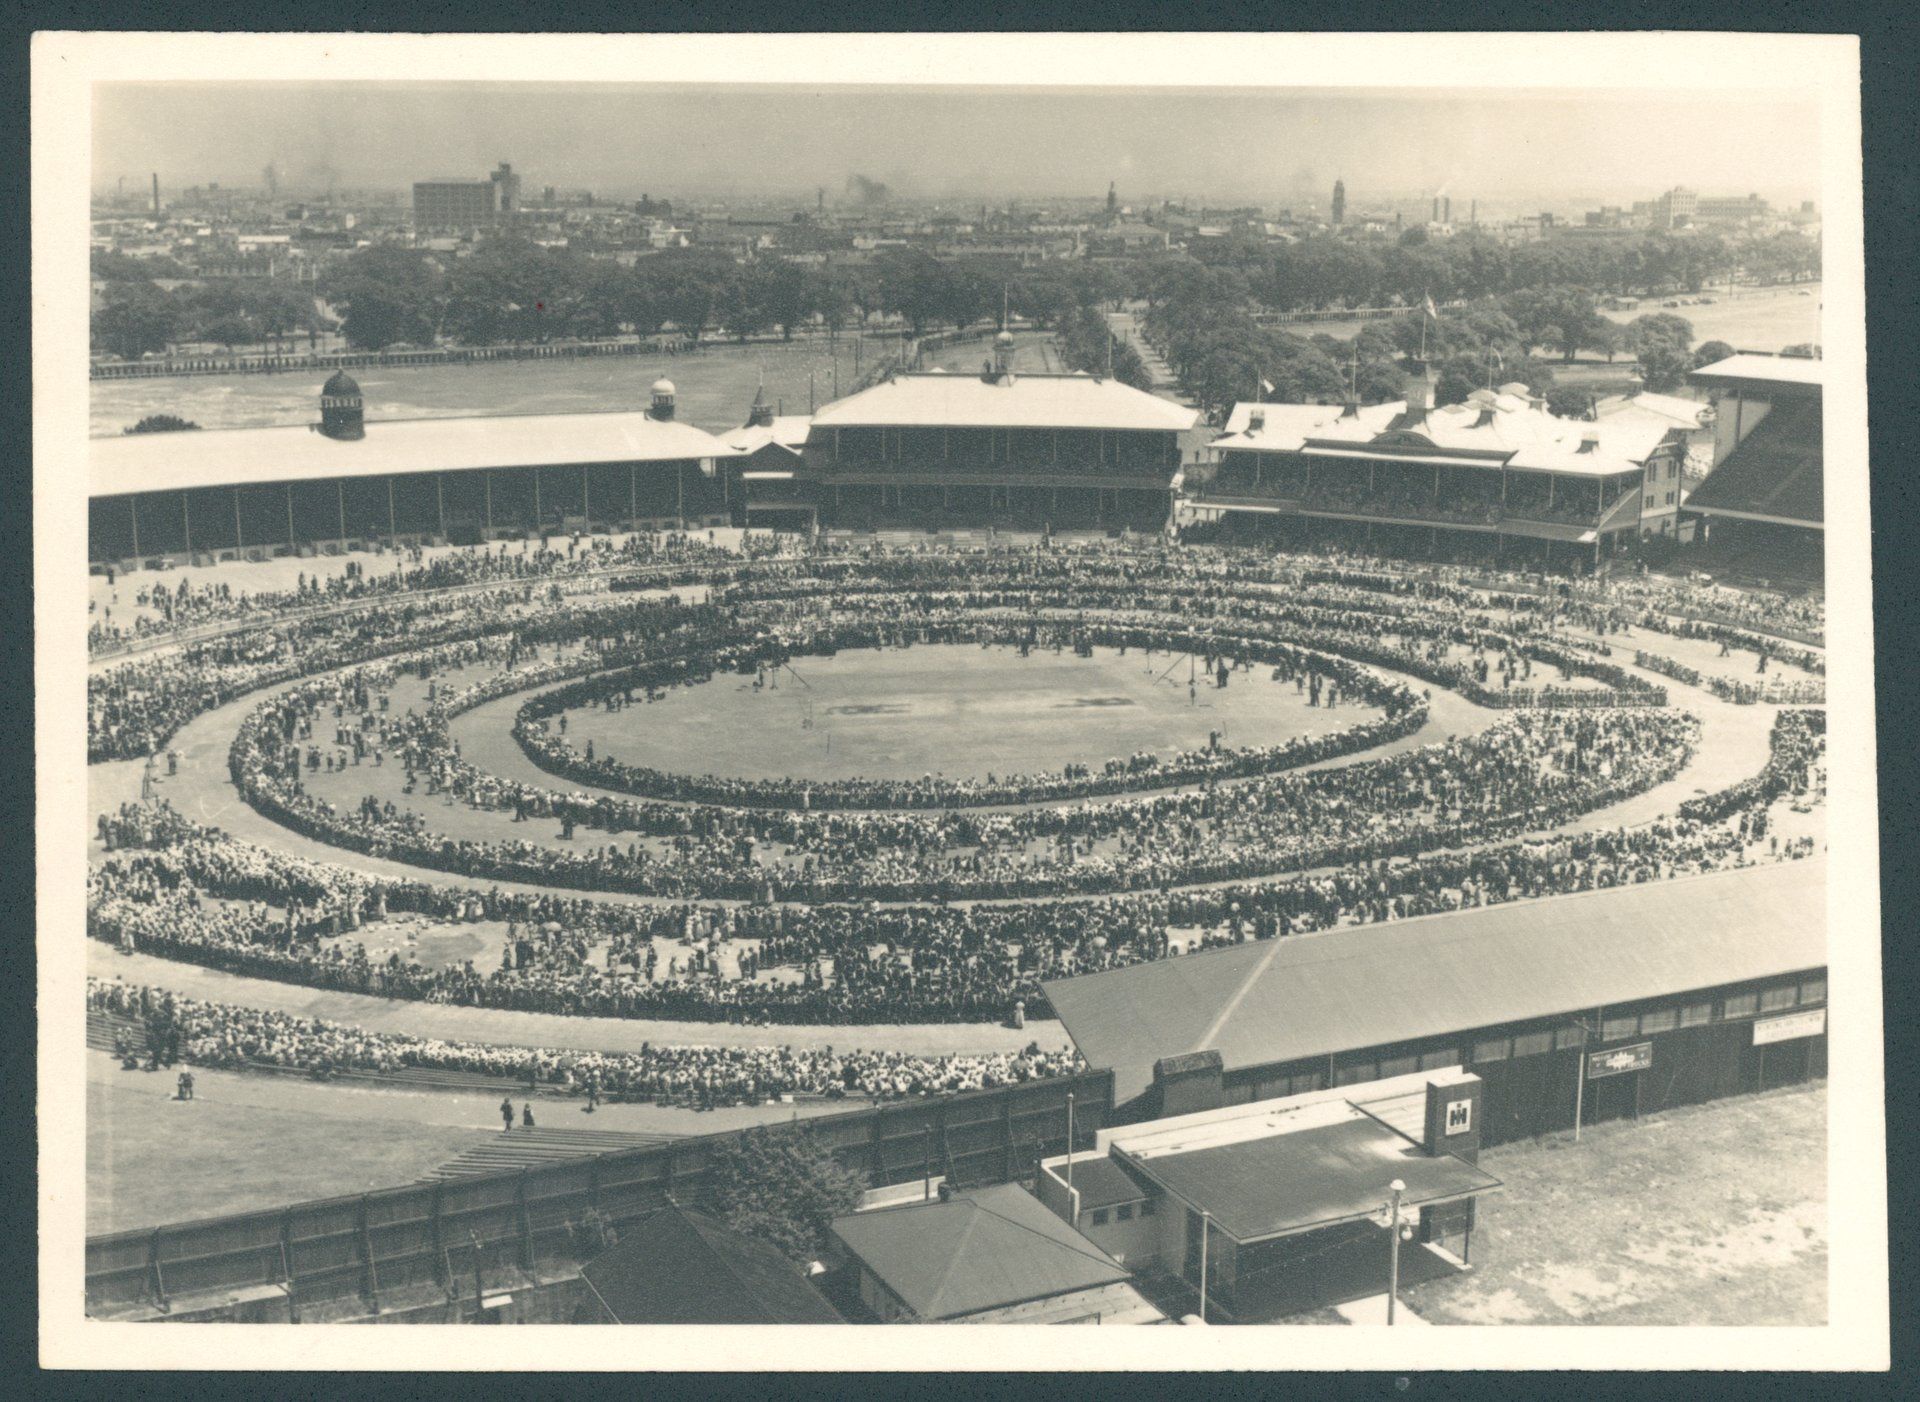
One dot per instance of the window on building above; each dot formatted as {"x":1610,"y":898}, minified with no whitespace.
{"x":1814,"y":990}
{"x":1739,"y":1005}
{"x":1353,"y":1075}
{"x":1123,"y":1213}
{"x":1496,"y":1050}
{"x":1398,"y":1066}
{"x":1238,"y":1095}
{"x":1696,"y":1014}
{"x":1099,"y":1216}
{"x":1673,"y":470}
{"x":1773,"y":999}
{"x":1568,"y":1037}
{"x":1649,"y":501}
{"x":1669,"y":498}
{"x":1663,"y":1020}
{"x":1437,"y":1060}
{"x":1532,"y":1043}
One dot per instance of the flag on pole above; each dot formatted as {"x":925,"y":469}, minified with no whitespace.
{"x":1266,"y":386}
{"x":1430,"y":309}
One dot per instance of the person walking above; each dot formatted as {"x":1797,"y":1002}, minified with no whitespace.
{"x":506,"y":1116}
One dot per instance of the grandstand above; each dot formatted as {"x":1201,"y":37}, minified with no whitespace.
{"x":1763,"y":504}
{"x":1497,"y":478}
{"x":346,"y":482}
{"x":1026,"y":452}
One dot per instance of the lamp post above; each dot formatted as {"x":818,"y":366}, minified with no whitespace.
{"x":1069,"y":1142}
{"x":1395,"y":1188}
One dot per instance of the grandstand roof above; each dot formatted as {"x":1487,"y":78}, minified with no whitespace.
{"x":1776,"y":473}
{"x":154,"y":462}
{"x":1366,"y":986}
{"x":1756,"y":372}
{"x":1285,"y":427}
{"x":937,"y":400}
{"x":1668,"y":409}
{"x":1505,"y":427}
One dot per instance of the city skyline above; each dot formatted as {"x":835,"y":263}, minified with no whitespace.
{"x":953,"y":144}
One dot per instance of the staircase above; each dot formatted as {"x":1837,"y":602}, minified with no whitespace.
{"x":539,"y":1146}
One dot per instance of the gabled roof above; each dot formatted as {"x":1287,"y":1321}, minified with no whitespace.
{"x":937,"y":400}
{"x":676,"y":1266}
{"x":225,"y":457}
{"x":977,"y":1251}
{"x":1366,"y":986}
{"x":789,"y":431}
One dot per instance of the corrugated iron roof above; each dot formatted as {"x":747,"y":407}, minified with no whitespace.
{"x":225,"y":457}
{"x":1366,"y":986}
{"x":979,"y":1250}
{"x":1749,"y":371}
{"x":933,"y":400}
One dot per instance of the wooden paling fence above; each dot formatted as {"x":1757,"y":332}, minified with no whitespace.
{"x":428,"y":1233}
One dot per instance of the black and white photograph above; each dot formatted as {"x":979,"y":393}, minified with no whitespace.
{"x":772,"y":681}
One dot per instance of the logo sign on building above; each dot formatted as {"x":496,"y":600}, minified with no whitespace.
{"x":1459,"y":1116}
{"x":1810,"y":1023}
{"x":1637,"y":1057}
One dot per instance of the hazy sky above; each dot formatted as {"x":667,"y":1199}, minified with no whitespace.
{"x":1264,"y":145}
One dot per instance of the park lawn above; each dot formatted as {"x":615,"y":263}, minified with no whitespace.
{"x":1707,"y":1215}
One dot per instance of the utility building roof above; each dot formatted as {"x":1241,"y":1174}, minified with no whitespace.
{"x":1332,"y":1169}
{"x":977,"y":1251}
{"x":226,"y":457}
{"x":1367,"y":986}
{"x":940,"y":400}
{"x":1284,"y":427}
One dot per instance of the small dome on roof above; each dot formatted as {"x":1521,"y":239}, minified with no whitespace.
{"x":1005,"y":338}
{"x":663,"y":386}
{"x":339,"y":384}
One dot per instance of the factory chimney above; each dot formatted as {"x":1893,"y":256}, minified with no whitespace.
{"x":156,"y":194}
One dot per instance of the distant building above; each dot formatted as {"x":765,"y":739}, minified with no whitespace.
{"x":456,"y":205}
{"x":1339,"y":203}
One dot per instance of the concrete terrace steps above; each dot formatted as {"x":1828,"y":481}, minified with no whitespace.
{"x":533,"y":1148}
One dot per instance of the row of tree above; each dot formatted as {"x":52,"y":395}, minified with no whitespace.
{"x":1200,"y":319}
{"x":1326,"y":272}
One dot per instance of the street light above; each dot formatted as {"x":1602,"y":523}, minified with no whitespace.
{"x":1395,"y":1188}
{"x":1206,"y":1219}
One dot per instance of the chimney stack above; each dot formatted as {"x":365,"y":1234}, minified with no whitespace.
{"x":156,"y":194}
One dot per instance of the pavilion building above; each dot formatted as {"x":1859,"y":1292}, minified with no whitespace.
{"x":347,"y":482}
{"x":1763,"y":504}
{"x":1025,"y":452}
{"x":1495,"y":478}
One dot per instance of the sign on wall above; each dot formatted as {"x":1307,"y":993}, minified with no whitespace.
{"x":1637,"y":1057}
{"x":1459,"y":1116}
{"x":1810,"y":1023}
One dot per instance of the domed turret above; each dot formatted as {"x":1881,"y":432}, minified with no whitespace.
{"x":663,"y":397}
{"x":342,"y":414}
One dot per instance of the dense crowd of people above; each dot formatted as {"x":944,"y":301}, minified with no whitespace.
{"x":775,"y":902}
{"x":700,"y":1077}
